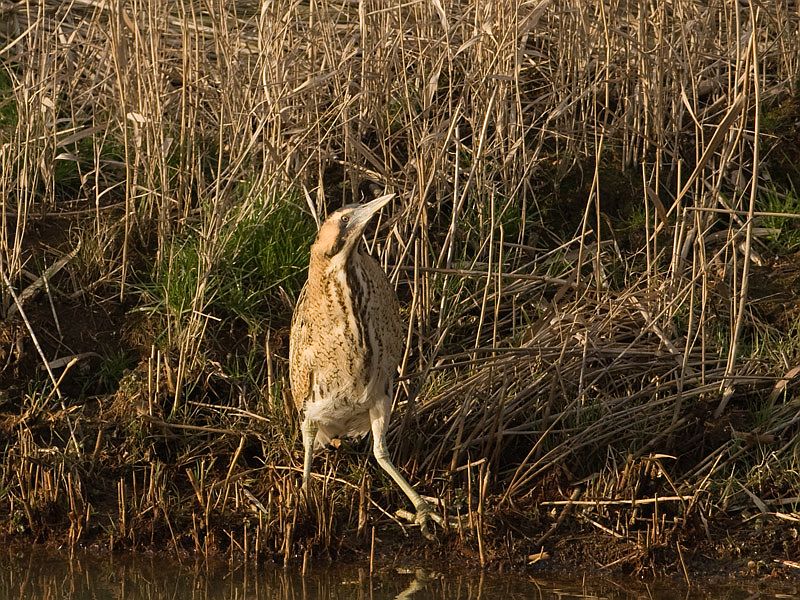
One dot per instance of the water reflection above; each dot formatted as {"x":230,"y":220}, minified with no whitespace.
{"x":46,"y":576}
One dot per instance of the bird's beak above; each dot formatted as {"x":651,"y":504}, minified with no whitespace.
{"x":362,"y":214}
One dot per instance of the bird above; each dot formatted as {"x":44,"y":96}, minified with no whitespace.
{"x":345,"y":345}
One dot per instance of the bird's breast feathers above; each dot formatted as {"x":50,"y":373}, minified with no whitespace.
{"x":346,"y":341}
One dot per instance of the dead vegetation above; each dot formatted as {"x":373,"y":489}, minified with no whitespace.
{"x":597,"y":257}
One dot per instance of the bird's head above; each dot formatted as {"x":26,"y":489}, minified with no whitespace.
{"x":341,"y":231}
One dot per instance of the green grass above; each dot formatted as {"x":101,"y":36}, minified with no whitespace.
{"x":258,"y":259}
{"x":78,"y":161}
{"x":114,"y":363}
{"x":786,"y":235}
{"x":267,"y":251}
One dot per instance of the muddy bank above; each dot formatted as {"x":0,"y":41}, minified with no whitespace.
{"x":632,"y":520}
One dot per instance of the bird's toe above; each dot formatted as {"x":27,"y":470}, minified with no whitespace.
{"x":423,"y":517}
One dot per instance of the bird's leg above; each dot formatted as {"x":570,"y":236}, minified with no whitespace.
{"x":379,"y":421}
{"x":309,"y":429}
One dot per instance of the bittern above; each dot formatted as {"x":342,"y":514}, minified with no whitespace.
{"x":346,"y":344}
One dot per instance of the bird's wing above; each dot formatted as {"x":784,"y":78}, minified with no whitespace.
{"x":300,"y":372}
{"x":385,"y":298}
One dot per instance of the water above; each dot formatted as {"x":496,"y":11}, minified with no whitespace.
{"x":44,"y":576}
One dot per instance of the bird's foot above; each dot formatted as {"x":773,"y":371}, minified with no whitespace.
{"x":425,"y":515}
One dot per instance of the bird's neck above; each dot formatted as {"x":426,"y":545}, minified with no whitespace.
{"x":321,"y":267}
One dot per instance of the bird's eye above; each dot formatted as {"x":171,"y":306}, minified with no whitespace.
{"x":345,"y":219}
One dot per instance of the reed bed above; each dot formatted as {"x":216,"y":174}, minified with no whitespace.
{"x":595,"y":240}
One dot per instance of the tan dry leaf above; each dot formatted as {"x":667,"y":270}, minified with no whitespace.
{"x":781,"y":384}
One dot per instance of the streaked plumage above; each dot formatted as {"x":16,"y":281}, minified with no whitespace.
{"x":346,"y":343}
